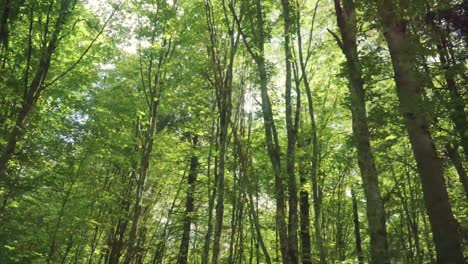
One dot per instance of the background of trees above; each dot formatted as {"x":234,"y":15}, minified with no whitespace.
{"x":233,"y":131}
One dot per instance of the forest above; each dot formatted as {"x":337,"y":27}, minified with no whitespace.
{"x":233,"y":131}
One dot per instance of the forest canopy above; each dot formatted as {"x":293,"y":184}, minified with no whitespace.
{"x":233,"y":131}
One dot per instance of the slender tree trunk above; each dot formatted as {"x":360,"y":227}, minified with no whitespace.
{"x":236,"y":201}
{"x":62,"y":208}
{"x":305,"y":218}
{"x":211,"y":195}
{"x":222,"y":67}
{"x":69,"y":247}
{"x":160,"y":250}
{"x":220,"y":188}
{"x":357,"y":229}
{"x":132,"y":240}
{"x":142,"y":174}
{"x":274,"y":154}
{"x":346,"y":17}
{"x":146,"y":131}
{"x":117,"y":236}
{"x":237,"y":186}
{"x":4,"y":32}
{"x":340,"y":225}
{"x":456,"y":105}
{"x":246,"y":170}
{"x":315,"y":189}
{"x":256,"y":225}
{"x":271,"y":136}
{"x":189,"y":207}
{"x":94,"y":242}
{"x":443,"y":224}
{"x":452,"y":153}
{"x":412,"y":212}
{"x":291,"y":129}
{"x":34,"y":90}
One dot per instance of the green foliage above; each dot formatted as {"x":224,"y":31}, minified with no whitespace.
{"x":73,"y":178}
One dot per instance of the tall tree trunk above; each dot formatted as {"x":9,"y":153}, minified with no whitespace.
{"x":412,"y":213}
{"x":443,"y":224}
{"x":153,"y":88}
{"x":271,"y":136}
{"x":94,"y":243}
{"x":305,"y":235}
{"x":142,"y":174}
{"x":220,"y":187}
{"x":63,"y":207}
{"x":211,"y":194}
{"x":340,"y":223}
{"x":291,"y":130}
{"x":117,"y":236}
{"x":237,"y":193}
{"x":304,"y":219}
{"x":346,"y":18}
{"x":274,"y":154}
{"x":456,"y":105}
{"x":4,"y":31}
{"x":34,"y":90}
{"x":189,"y":207}
{"x":224,"y":123}
{"x":246,"y":170}
{"x":222,"y":67}
{"x":160,"y":249}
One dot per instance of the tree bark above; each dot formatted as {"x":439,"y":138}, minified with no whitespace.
{"x":304,"y":219}
{"x":160,"y":249}
{"x":117,"y":237}
{"x":304,"y":197}
{"x":189,"y":207}
{"x":141,"y":176}
{"x":271,"y":136}
{"x":222,"y":67}
{"x":291,"y":130}
{"x":211,"y":195}
{"x":346,"y":18}
{"x":443,"y":224}
{"x":456,"y":106}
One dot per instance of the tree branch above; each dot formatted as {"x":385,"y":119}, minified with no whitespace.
{"x":82,"y":55}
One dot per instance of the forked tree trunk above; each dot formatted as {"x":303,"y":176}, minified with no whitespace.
{"x":271,"y":137}
{"x":34,"y":89}
{"x":222,"y":64}
{"x":456,"y":104}
{"x":141,"y":176}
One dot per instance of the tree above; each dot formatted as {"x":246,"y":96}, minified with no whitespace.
{"x":443,"y":224}
{"x":346,"y":17}
{"x":220,"y":131}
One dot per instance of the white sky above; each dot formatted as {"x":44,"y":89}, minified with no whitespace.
{"x":103,"y":9}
